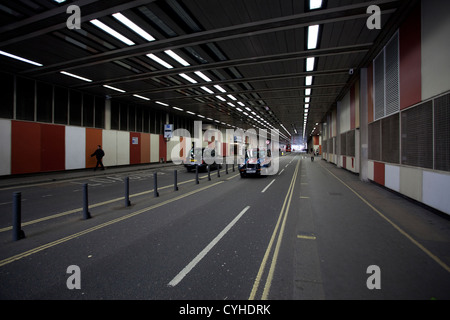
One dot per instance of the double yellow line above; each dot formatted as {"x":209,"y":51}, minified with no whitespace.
{"x":100,"y":226}
{"x":279,"y":229}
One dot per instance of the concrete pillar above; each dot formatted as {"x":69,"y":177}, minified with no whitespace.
{"x":364,"y":126}
{"x":108,"y":114}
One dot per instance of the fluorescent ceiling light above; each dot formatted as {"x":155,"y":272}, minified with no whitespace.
{"x":141,"y":97}
{"x":162,"y":103}
{"x":230,"y":104}
{"x":59,"y":1}
{"x":307,"y":100}
{"x":190,"y":112}
{"x":179,"y":109}
{"x":113,"y":88}
{"x":199,"y":115}
{"x":9,"y":55}
{"x":206,"y":89}
{"x":203,"y":76}
{"x":239,"y":109}
{"x":231,"y":97}
{"x":308,"y":80}
{"x":187,"y":78}
{"x":112,"y":32}
{"x":310,"y":64}
{"x":307,"y":92}
{"x":219,"y":88}
{"x":313,"y":36}
{"x":241,"y":104}
{"x":315,"y":4}
{"x":220,"y":98}
{"x":159,"y":60}
{"x":75,"y":76}
{"x":177,"y":58}
{"x":130,"y":24}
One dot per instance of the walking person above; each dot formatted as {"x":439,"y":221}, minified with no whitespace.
{"x":99,"y":154}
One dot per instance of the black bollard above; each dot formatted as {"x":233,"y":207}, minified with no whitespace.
{"x":209,"y":173}
{"x":175,"y":180}
{"x":127,"y":192}
{"x":196,"y":174}
{"x":155,"y":185}
{"x":86,"y":213}
{"x":218,"y":170}
{"x":17,"y":217}
{"x":226,"y":168}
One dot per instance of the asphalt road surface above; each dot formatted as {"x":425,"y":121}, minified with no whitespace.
{"x":310,"y":231}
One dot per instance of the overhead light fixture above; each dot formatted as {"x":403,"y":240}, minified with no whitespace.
{"x":308,"y":80}
{"x":307,"y":100}
{"x":114,"y":88}
{"x":307,"y":92}
{"x":9,"y":55}
{"x":241,"y":104}
{"x":190,"y":112}
{"x":315,"y":4}
{"x":141,"y":97}
{"x":221,"y":98}
{"x":207,"y":90}
{"x":75,"y":76}
{"x":130,"y":24}
{"x":203,"y":76}
{"x":111,"y":32}
{"x":199,"y":115}
{"x":187,"y":78}
{"x":231,"y":97}
{"x":310,"y":64}
{"x":179,"y":109}
{"x":230,"y":104}
{"x":219,"y":88}
{"x":159,"y":60}
{"x":313,"y":36}
{"x":162,"y":103}
{"x":177,"y":58}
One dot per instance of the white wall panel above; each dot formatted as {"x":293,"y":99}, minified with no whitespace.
{"x":75,"y":148}
{"x":392,"y":177}
{"x":370,"y":170}
{"x":154,"y":148}
{"x":411,"y":182}
{"x":5,"y":147}
{"x":436,"y":188}
{"x":109,"y":145}
{"x":123,"y":148}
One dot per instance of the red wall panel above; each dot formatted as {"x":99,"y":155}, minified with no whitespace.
{"x":411,"y":60}
{"x":53,"y":153}
{"x":25,"y":147}
{"x":162,"y":147}
{"x":378,"y":172}
{"x":93,"y":139}
{"x":135,"y":148}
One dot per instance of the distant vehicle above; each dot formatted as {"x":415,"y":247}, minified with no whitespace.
{"x":257,"y":161}
{"x":196,"y":159}
{"x":288,"y":148}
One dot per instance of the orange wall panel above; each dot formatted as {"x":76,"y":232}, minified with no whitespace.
{"x":93,"y":139}
{"x":53,"y":152}
{"x":25,"y":147}
{"x":145,"y":148}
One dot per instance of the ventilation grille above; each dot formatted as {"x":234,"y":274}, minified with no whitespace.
{"x":351,"y":143}
{"x":417,"y":136}
{"x":392,"y":77}
{"x":379,"y":86}
{"x":390,"y":139}
{"x":374,"y":141}
{"x":343,"y":144}
{"x":442,"y":133}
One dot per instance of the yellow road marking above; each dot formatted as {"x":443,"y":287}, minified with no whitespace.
{"x":283,"y":212}
{"x":306,"y":237}
{"x":100,"y":226}
{"x":415,"y":242}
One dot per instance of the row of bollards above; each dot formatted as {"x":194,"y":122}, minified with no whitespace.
{"x":18,"y":233}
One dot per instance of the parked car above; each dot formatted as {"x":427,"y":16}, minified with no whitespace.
{"x":197,"y":159}
{"x":257,"y":161}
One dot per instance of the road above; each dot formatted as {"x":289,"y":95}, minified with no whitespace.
{"x":229,"y":238}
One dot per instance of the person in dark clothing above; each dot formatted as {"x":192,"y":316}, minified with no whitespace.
{"x":99,"y":154}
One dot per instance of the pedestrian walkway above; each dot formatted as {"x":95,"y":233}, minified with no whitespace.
{"x":35,"y":178}
{"x":345,"y":226}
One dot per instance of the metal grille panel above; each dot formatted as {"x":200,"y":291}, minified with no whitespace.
{"x":442,"y":133}
{"x":375,"y":141}
{"x":351,"y":143}
{"x":392,"y":77}
{"x":417,"y":136}
{"x":390,"y":129}
{"x":379,"y":86}
{"x":343,"y":144}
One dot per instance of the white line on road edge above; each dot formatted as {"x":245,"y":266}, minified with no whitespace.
{"x":264,"y":190}
{"x":205,"y":251}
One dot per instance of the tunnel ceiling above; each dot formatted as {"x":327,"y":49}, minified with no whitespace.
{"x":243,"y":63}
